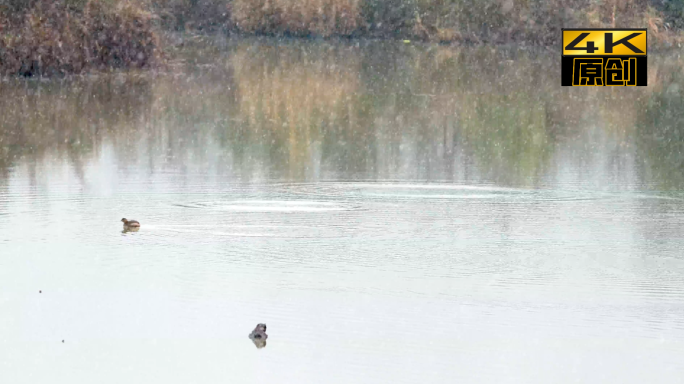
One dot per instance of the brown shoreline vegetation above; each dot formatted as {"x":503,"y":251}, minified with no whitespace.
{"x":45,"y":38}
{"x":51,"y":37}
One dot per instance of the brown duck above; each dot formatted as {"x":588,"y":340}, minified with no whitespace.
{"x":130,"y":223}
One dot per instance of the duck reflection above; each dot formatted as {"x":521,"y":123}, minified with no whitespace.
{"x":259,"y":336}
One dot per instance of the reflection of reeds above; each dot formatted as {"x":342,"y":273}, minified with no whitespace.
{"x":67,"y":120}
{"x":290,"y":93}
{"x":287,"y":85}
{"x":660,"y":132}
{"x":385,"y":110}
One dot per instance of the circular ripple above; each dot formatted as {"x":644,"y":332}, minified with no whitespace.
{"x":269,"y":206}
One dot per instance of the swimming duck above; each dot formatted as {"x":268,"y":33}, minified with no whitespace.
{"x":259,"y":332}
{"x":259,"y":336}
{"x":130,"y":223}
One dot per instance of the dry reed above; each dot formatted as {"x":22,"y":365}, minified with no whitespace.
{"x":55,"y":38}
{"x":297,"y":17}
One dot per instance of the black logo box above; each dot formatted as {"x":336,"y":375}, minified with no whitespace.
{"x":567,"y":64}
{"x":567,"y":61}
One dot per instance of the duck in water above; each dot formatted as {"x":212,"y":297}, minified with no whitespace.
{"x":130,"y":225}
{"x":259,"y":336}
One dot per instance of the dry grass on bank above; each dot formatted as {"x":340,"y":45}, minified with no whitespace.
{"x":49,"y":37}
{"x":59,"y":37}
{"x":297,"y":17}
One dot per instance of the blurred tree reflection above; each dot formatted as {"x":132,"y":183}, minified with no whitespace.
{"x":660,"y":134}
{"x":304,"y":110}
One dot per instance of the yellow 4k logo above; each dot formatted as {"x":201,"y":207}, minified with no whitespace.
{"x":604,"y":57}
{"x":613,"y":42}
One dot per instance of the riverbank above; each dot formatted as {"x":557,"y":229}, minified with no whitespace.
{"x":46,"y":38}
{"x":531,"y":22}
{"x":43,"y":37}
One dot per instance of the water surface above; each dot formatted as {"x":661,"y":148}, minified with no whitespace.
{"x":393,"y":213}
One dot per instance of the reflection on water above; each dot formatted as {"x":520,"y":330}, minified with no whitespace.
{"x":395,"y":213}
{"x":312,"y":111}
{"x":660,"y":138}
{"x":259,"y":343}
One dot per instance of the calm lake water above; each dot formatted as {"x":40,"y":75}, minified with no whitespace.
{"x":395,"y":213}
